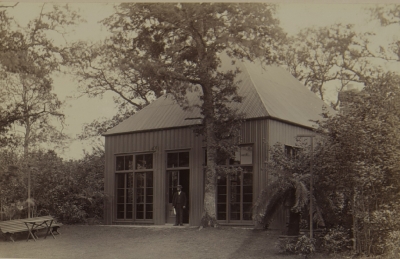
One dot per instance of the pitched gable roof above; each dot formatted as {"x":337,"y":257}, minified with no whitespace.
{"x":268,"y":91}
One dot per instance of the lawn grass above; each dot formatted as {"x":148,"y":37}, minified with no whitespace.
{"x":83,"y":241}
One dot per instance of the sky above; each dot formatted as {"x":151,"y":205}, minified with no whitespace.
{"x":293,"y":17}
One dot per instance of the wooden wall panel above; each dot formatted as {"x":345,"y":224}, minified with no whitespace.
{"x":161,"y":141}
{"x":261,"y":133}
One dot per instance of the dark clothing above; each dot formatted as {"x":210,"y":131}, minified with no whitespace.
{"x":179,"y":201}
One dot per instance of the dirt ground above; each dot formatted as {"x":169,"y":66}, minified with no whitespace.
{"x":117,"y":242}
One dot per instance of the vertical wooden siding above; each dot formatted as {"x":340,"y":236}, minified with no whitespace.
{"x":256,"y":133}
{"x":261,"y":133}
{"x":160,"y":141}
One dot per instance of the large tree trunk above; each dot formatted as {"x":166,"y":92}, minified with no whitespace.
{"x":209,"y":218}
{"x":28,"y":125}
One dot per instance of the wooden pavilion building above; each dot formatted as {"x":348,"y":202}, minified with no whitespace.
{"x":154,"y":150}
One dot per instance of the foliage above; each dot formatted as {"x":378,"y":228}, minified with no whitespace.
{"x":386,"y":14}
{"x":175,"y":48}
{"x":392,"y":244}
{"x":335,"y":54}
{"x":358,"y":163}
{"x":69,"y":190}
{"x":28,"y":58}
{"x":75,"y":187}
{"x":302,"y":245}
{"x":12,"y":188}
{"x":291,"y":176}
{"x":336,"y":240}
{"x":109,"y":67}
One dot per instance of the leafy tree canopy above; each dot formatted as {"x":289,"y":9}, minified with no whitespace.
{"x":175,"y":48}
{"x":28,"y":57}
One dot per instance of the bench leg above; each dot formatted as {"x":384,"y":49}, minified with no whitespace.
{"x":8,"y":236}
{"x":55,"y":229}
{"x":31,"y":234}
{"x":34,"y":232}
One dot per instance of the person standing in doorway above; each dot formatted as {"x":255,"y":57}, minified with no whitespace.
{"x":179,"y":203}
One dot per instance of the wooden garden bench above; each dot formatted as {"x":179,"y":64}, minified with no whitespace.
{"x":31,"y":225}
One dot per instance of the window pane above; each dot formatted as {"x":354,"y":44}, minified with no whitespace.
{"x":140,"y":177}
{"x":128,"y":162}
{"x":149,"y":179}
{"x":235,"y":211}
{"x":247,"y":211}
{"x":149,"y":215}
{"x":248,"y":197}
{"x":129,"y":211}
{"x":149,"y":161}
{"x":149,"y":197}
{"x":120,"y":212}
{"x":172,"y":160}
{"x":139,"y":207}
{"x":184,"y":159}
{"x":246,"y":155}
{"x":129,"y":198}
{"x":247,"y":189}
{"x":221,"y":189}
{"x":235,"y":194}
{"x":119,"y":163}
{"x":221,"y":211}
{"x":139,"y":195}
{"x":221,"y":198}
{"x":120,"y":179}
{"x":221,"y":216}
{"x":221,"y":208}
{"x":221,"y":180}
{"x":129,"y":183}
{"x":144,"y":161}
{"x":248,"y":179}
{"x":120,"y":195}
{"x":139,"y":214}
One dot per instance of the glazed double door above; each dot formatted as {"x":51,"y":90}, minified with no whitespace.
{"x":175,"y":178}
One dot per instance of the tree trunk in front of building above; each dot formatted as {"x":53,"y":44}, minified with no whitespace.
{"x":209,"y":218}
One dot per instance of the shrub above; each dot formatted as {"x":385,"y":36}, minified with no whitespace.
{"x":336,"y":240}
{"x":303,"y":245}
{"x":392,"y":244}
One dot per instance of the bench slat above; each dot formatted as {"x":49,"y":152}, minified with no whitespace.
{"x":18,"y":225}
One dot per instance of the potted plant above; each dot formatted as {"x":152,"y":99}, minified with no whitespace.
{"x":289,"y":190}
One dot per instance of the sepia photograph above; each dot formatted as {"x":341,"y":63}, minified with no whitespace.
{"x":204,"y":130}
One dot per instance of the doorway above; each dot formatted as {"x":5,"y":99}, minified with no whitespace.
{"x":175,"y":178}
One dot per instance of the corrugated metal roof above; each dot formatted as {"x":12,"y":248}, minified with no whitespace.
{"x":268,"y":91}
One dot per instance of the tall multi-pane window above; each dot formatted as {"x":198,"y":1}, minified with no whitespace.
{"x":124,"y":182}
{"x":144,"y":195}
{"x":134,"y":187}
{"x":235,"y":190}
